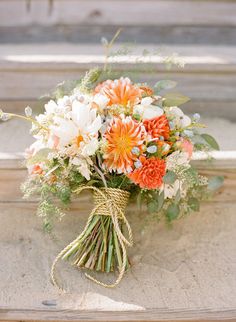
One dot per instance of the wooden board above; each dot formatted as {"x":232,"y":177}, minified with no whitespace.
{"x":118,"y":12}
{"x":208,"y":77}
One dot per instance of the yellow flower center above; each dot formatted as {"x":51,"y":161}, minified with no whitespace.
{"x":124,"y":143}
{"x":79,"y":139}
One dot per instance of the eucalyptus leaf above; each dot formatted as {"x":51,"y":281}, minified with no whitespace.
{"x":160,"y":200}
{"x":198,"y":139}
{"x":169,"y":177}
{"x":172,"y":211}
{"x":164,"y":84}
{"x":175,"y":99}
{"x":210,"y":141}
{"x":152,"y":206}
{"x":215,"y":183}
{"x":178,"y":196}
{"x":194,"y":204}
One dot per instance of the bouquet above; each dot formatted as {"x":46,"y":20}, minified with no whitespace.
{"x":122,"y":141}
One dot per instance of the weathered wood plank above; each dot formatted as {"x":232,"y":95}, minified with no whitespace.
{"x":12,"y":175}
{"x":208,"y":76}
{"x":203,"y":86}
{"x":220,"y":160}
{"x":224,"y":109}
{"x":159,"y":12}
{"x":79,"y":34}
{"x":149,"y":315}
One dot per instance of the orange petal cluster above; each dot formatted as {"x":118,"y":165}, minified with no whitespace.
{"x":120,"y":91}
{"x":158,"y":126}
{"x":122,"y":136}
{"x":150,"y":174}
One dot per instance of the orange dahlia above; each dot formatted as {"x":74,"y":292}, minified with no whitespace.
{"x":120,"y":91}
{"x":150,"y":173}
{"x":158,"y":126}
{"x":122,"y":136}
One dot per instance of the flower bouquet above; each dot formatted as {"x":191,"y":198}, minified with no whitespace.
{"x":120,"y":140}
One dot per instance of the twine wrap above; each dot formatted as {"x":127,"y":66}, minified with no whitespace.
{"x":108,"y":202}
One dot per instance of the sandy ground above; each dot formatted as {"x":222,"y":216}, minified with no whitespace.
{"x":15,"y":136}
{"x":189,"y":266}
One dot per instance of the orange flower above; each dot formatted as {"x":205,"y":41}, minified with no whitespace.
{"x":158,"y":126}
{"x":120,"y":91}
{"x":122,"y":136}
{"x":37,"y":169}
{"x":150,"y":174}
{"x":146,"y":90}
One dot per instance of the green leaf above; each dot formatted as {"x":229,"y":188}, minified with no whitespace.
{"x":164,"y":84}
{"x":172,"y":211}
{"x":215,"y":183}
{"x":169,"y":177}
{"x":152,"y":206}
{"x":40,"y":156}
{"x":210,"y":141}
{"x":194,"y":204}
{"x":175,"y":99}
{"x":198,"y":139}
{"x":160,"y":200}
{"x":178,"y":196}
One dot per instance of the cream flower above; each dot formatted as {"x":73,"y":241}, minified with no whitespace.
{"x":170,"y":190}
{"x":177,"y":116}
{"x":101,"y":100}
{"x":83,"y":166}
{"x":146,"y":110}
{"x":79,"y":131}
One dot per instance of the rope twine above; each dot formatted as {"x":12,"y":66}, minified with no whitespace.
{"x":108,"y":202}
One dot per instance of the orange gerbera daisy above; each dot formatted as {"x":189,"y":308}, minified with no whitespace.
{"x":158,"y":126}
{"x":120,"y":91}
{"x":150,"y":173}
{"x":122,"y":136}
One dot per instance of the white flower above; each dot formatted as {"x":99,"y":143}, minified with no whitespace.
{"x":79,"y":131}
{"x":101,"y":100}
{"x":28,"y":111}
{"x":35,"y":147}
{"x":83,"y":166}
{"x":170,"y":190}
{"x":177,"y":116}
{"x":176,"y":159}
{"x":146,"y":110}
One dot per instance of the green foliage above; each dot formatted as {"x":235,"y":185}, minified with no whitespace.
{"x":49,"y":212}
{"x":152,"y":206}
{"x":64,"y":88}
{"x":210,"y":141}
{"x":215,"y":183}
{"x":174,"y":99}
{"x":170,"y":177}
{"x":172,"y":211}
{"x":194,"y":204}
{"x":40,"y":156}
{"x":163,"y":85}
{"x":90,"y":78}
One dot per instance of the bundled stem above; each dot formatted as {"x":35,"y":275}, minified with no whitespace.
{"x":101,"y":246}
